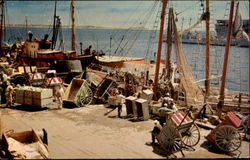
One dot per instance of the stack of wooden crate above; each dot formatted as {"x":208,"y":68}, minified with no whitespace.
{"x":35,"y":96}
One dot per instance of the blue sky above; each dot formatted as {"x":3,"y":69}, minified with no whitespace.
{"x":120,"y":14}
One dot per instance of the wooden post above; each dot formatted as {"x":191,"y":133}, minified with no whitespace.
{"x":169,"y":42}
{"x":73,"y":30}
{"x":147,"y":77}
{"x":81,"y":47}
{"x":240,"y":99}
{"x":224,"y":71}
{"x":207,"y":59}
{"x":1,"y":24}
{"x":158,"y":59}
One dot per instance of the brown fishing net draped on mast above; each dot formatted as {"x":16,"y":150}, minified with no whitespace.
{"x":194,"y":94}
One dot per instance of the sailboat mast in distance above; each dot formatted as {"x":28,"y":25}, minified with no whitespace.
{"x":157,"y":68}
{"x":26,"y":27}
{"x":73,"y":30}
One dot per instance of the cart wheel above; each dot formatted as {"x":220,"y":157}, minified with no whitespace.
{"x":246,"y":127}
{"x":170,"y":139}
{"x":191,"y":137}
{"x":227,"y":138}
{"x":86,"y":99}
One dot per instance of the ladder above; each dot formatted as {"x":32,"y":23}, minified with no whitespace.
{"x":153,"y":33}
{"x":197,"y":59}
{"x":214,"y":53}
{"x":226,"y":12}
{"x":237,"y":70}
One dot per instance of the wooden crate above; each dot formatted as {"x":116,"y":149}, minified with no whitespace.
{"x":42,"y":93}
{"x":142,"y":108}
{"x":112,"y":100}
{"x":27,"y":69}
{"x":19,"y":92}
{"x":147,"y":94}
{"x":42,"y":102}
{"x":154,"y":108}
{"x":19,"y":100}
{"x":28,"y":93}
{"x":131,"y":106}
{"x":20,"y":69}
{"x":28,"y":100}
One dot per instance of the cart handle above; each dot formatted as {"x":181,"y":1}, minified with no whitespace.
{"x":203,"y":107}
{"x":185,"y":116}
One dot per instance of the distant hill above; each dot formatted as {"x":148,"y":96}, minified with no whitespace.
{"x":81,"y":27}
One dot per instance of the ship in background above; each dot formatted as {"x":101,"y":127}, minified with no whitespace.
{"x":218,"y":38}
{"x":221,"y":30}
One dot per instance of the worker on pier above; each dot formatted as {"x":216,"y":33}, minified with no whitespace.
{"x":3,"y":86}
{"x":166,"y":100}
{"x":156,"y":131}
{"x":9,"y":94}
{"x":3,"y":77}
{"x":59,"y":93}
{"x":120,"y":100}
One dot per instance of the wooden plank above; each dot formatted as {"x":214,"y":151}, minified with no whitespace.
{"x":206,"y":126}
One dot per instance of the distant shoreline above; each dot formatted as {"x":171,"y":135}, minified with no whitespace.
{"x":78,"y":27}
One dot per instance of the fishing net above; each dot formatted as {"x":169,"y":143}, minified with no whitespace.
{"x":193,"y":93}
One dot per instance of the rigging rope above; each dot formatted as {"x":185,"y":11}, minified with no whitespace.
{"x":119,"y":44}
{"x":127,"y":32}
{"x":145,"y":21}
{"x":192,"y":26}
{"x":184,"y":10}
{"x":152,"y":38}
{"x":115,"y":32}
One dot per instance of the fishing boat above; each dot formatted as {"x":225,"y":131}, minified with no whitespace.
{"x":116,"y":61}
{"x":42,"y":53}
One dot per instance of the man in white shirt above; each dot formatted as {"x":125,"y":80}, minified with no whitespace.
{"x":120,"y":99}
{"x":59,"y":94}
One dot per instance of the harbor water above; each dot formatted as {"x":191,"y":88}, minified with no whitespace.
{"x":137,"y":43}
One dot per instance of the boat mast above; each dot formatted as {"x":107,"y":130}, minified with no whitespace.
{"x":54,"y":29}
{"x":224,"y":71}
{"x":1,"y":25}
{"x":157,"y":68}
{"x":207,"y":59}
{"x":26,"y":27}
{"x":73,"y":30}
{"x":182,"y":22}
{"x":169,"y":42}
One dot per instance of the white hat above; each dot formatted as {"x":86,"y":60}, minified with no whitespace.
{"x":156,"y":122}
